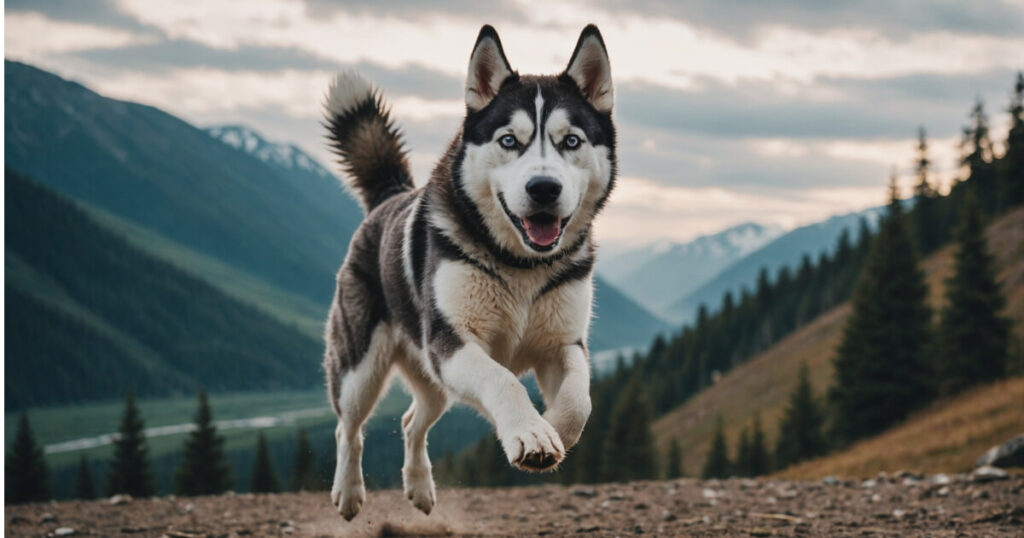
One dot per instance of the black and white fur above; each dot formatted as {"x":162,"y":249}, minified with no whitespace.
{"x":445,"y":283}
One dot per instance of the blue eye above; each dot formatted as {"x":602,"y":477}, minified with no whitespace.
{"x":572,"y":141}
{"x":508,"y":142}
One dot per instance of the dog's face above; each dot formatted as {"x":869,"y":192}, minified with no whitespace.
{"x":538,"y":154}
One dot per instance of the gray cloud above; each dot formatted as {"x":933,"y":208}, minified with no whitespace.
{"x":891,"y":107}
{"x":741,"y":19}
{"x":98,"y":12}
{"x":412,"y":9}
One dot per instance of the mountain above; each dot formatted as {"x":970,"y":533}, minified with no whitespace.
{"x":785,"y":250}
{"x":761,"y":386}
{"x":88,"y":316}
{"x":263,"y":222}
{"x":659,"y":274}
{"x":148,"y":167}
{"x":618,"y":321}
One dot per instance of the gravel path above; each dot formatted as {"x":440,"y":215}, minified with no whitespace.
{"x":893,"y":505}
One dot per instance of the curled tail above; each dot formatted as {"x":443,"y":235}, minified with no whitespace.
{"x":368,"y":145}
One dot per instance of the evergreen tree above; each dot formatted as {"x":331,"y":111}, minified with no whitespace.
{"x":741,"y":464}
{"x":203,"y":470}
{"x":629,"y":447}
{"x":717,"y":464}
{"x":801,"y":434}
{"x":972,"y":337}
{"x":264,"y":479}
{"x":26,"y":477}
{"x":881,"y":371}
{"x":303,"y":468}
{"x":674,"y":464}
{"x":977,"y":158}
{"x":924,"y":212}
{"x":757,"y":462}
{"x":1012,"y":185}
{"x":84,"y":488}
{"x":129,"y":471}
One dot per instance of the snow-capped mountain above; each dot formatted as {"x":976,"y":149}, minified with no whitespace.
{"x":286,"y":156}
{"x":660,"y":273}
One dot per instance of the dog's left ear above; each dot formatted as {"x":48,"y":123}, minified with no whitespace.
{"x":488,"y":69}
{"x":591,"y":70}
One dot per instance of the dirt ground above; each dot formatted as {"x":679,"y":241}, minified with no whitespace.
{"x":889,"y":505}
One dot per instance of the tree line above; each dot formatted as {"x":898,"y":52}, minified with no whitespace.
{"x":204,"y":469}
{"x":893,"y":358}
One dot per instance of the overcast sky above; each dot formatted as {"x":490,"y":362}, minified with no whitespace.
{"x":728,"y":111}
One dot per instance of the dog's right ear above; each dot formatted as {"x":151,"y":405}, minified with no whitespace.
{"x":488,"y":69}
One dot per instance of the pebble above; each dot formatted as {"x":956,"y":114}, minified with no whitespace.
{"x":979,"y":494}
{"x":869,"y":483}
{"x":189,"y":508}
{"x":987,"y":473}
{"x":898,"y":513}
{"x":941,"y":479}
{"x":48,"y":518}
{"x":65,"y":531}
{"x":709,"y":493}
{"x":830,"y":480}
{"x":120,"y":498}
{"x":943,"y":491}
{"x":615,"y":496}
{"x":876,"y":498}
{"x":587,"y":493}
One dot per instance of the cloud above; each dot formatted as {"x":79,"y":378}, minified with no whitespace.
{"x":95,"y":12}
{"x":744,"y":20}
{"x":415,"y":9}
{"x":22,"y":33}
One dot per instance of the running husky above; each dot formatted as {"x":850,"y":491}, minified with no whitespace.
{"x":482,"y":274}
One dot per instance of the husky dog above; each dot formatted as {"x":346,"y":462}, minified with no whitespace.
{"x":482,"y":274}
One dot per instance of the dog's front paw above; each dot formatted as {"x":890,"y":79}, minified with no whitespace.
{"x":419,"y":487}
{"x":534,"y":446}
{"x":348,"y":500}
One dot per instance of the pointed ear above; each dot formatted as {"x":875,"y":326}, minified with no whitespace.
{"x":591,"y":70}
{"x":488,"y":68}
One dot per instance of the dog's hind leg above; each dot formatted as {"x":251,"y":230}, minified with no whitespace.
{"x":428,"y":404}
{"x":358,"y":391}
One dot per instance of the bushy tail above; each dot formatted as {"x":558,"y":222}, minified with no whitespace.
{"x":368,"y":145}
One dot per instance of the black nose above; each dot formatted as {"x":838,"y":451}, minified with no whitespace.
{"x":543,"y":189}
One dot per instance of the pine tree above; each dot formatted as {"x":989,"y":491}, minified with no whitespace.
{"x":84,"y":488}
{"x":757,"y":462}
{"x":26,"y":477}
{"x":264,"y":479}
{"x":973,"y":337}
{"x":881,"y":369}
{"x":801,"y":434}
{"x":629,"y":447}
{"x":129,"y":471}
{"x":1012,"y":184}
{"x":741,"y":464}
{"x":977,"y":158}
{"x":717,"y":464}
{"x":303,"y":468}
{"x":674,"y":463}
{"x":203,"y":470}
{"x":925,"y":224}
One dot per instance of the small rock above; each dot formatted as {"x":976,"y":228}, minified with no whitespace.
{"x":911,"y":482}
{"x":876,"y":498}
{"x":16,"y":520}
{"x":869,"y":483}
{"x":787,"y":494}
{"x":120,"y":498}
{"x":640,"y":506}
{"x":830,"y":480}
{"x":987,"y":473}
{"x":760,"y":531}
{"x":903,"y":473}
{"x":898,"y":513}
{"x":943,"y":491}
{"x":1008,"y":454}
{"x":65,"y":531}
{"x":48,"y":518}
{"x":587,"y":493}
{"x":568,"y":506}
{"x":979,"y":494}
{"x":941,"y":479}
{"x":615,"y":496}
{"x":709,"y":493}
{"x":606,"y":504}
{"x":667,"y":516}
{"x":638,"y":530}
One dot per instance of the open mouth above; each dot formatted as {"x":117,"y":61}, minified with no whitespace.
{"x":541,"y":230}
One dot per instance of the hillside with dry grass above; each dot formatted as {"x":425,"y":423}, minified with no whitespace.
{"x":762,"y":385}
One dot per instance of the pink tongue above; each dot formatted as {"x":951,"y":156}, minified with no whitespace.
{"x":545,"y":233}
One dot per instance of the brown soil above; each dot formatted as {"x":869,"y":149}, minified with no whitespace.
{"x":888,"y":506}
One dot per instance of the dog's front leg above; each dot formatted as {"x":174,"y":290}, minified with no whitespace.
{"x":530,"y":443}
{"x":565,"y":383}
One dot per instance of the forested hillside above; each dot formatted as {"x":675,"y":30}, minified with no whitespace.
{"x":88,"y":316}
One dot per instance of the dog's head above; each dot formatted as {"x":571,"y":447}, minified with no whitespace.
{"x":537,"y":160}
